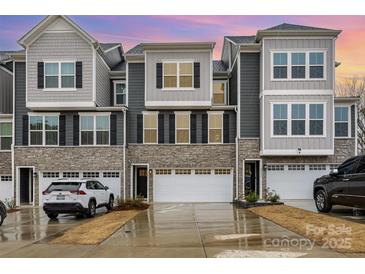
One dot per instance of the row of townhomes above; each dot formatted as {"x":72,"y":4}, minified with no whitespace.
{"x":167,"y":122}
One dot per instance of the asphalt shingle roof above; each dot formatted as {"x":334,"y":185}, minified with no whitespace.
{"x":120,"y":67}
{"x":286,"y":26}
{"x":219,"y":66}
{"x":243,"y":39}
{"x":136,"y":50}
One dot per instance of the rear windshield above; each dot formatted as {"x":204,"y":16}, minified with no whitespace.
{"x":62,"y":186}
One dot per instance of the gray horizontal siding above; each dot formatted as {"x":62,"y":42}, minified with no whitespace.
{"x":6,"y":92}
{"x":250,"y":95}
{"x":233,"y":83}
{"x":19,"y":98}
{"x":102,"y":83}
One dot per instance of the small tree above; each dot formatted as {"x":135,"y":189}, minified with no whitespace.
{"x":356,"y":87}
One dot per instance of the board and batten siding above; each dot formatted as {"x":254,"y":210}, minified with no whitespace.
{"x":250,"y":95}
{"x":66,"y":46}
{"x":299,"y":44}
{"x":283,"y":142}
{"x":102,"y":83}
{"x":197,"y":94}
{"x":6,"y":92}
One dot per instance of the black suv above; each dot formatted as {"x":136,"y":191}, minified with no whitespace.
{"x":343,"y":186}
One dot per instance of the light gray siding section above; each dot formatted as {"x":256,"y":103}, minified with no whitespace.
{"x":67,"y":46}
{"x":19,"y":98}
{"x":102,"y":83}
{"x":6,"y":92}
{"x":300,"y":44}
{"x":277,"y":143}
{"x":199,"y":94}
{"x":250,"y":95}
{"x":135,"y":98}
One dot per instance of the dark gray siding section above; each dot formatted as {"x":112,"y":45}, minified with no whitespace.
{"x":136,"y":87}
{"x":120,"y":128}
{"x":69,"y":127}
{"x":19,"y":98}
{"x":353,"y":121}
{"x":233,"y":86}
{"x":250,"y":95}
{"x":232,"y":126}
{"x":6,"y":92}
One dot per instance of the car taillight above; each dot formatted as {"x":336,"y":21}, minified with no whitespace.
{"x":45,"y":192}
{"x":81,"y":192}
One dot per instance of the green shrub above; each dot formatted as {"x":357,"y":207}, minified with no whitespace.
{"x":251,"y":197}
{"x":10,"y":203}
{"x":271,"y":195}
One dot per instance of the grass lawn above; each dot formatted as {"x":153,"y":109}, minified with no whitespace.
{"x":336,"y":233}
{"x":96,"y":230}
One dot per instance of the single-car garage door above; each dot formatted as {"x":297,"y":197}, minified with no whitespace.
{"x":6,"y":188}
{"x":110,"y":179}
{"x":295,"y":181}
{"x":189,"y":185}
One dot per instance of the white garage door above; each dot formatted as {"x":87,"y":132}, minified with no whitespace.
{"x":294,"y":181}
{"x":200,"y":185}
{"x":6,"y":188}
{"x":110,"y":179}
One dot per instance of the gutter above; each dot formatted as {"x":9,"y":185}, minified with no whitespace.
{"x":124,"y":149}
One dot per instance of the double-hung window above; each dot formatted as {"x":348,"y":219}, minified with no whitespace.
{"x":215,"y":125}
{"x":280,"y":65}
{"x":178,"y":75}
{"x":280,"y":121}
{"x":59,"y":75}
{"x":5,"y":135}
{"x":95,"y":129}
{"x":316,"y":65}
{"x":43,"y":130}
{"x":316,"y":119}
{"x":150,"y":128}
{"x":342,"y":121}
{"x":182,"y":121}
{"x":298,"y":65}
{"x":298,"y":119}
{"x":219,"y":91}
{"x":120,"y":93}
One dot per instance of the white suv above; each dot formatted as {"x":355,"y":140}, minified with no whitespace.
{"x":80,"y":196}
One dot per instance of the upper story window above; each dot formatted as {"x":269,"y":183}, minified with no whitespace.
{"x":43,"y":130}
{"x":298,"y":65}
{"x":215,"y":126}
{"x":120,"y":97}
{"x":316,"y":119}
{"x":5,"y":135}
{"x":280,"y":121}
{"x":298,"y":119}
{"x":342,"y":122}
{"x":182,"y":127}
{"x":150,"y":127}
{"x":59,"y":75}
{"x":177,"y":75}
{"x":94,"y":129}
{"x":219,"y":92}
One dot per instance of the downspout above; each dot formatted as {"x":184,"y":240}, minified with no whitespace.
{"x":237,"y":157}
{"x":124,"y":150}
{"x":13,"y":141}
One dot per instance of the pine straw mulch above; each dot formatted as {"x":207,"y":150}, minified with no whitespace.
{"x":334,"y":231}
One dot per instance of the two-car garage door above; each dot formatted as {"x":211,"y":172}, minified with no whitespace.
{"x":295,"y":181}
{"x":193,"y":185}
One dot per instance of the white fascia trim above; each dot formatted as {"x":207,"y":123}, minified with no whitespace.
{"x":178,"y":103}
{"x":59,"y":104}
{"x":94,"y":113}
{"x":112,"y":48}
{"x":299,"y":92}
{"x":291,"y":152}
{"x":43,"y":113}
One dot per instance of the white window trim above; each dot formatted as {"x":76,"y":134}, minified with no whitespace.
{"x":6,"y":121}
{"x":115,"y":82}
{"x":307,"y":65}
{"x":94,"y":115}
{"x":182,"y":113}
{"x":144,"y":128}
{"x":307,"y":120}
{"x":224,"y":92}
{"x":59,"y":88}
{"x":348,"y":122}
{"x":215,"y":113}
{"x":178,"y":62}
{"x":43,"y":115}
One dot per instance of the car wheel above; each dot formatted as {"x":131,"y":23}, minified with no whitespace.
{"x":322,"y":202}
{"x":110,"y":205}
{"x":52,"y":216}
{"x":91,"y":209}
{"x":1,"y":219}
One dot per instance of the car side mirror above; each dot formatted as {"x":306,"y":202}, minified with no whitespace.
{"x":106,"y":188}
{"x":334,"y":172}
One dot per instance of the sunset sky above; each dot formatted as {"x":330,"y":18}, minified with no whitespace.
{"x":131,"y":30}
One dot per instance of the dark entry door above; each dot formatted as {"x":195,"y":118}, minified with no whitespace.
{"x":142,"y":182}
{"x":26,"y":186}
{"x":251,"y":178}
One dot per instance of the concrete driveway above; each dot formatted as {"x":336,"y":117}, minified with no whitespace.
{"x":165,"y":230}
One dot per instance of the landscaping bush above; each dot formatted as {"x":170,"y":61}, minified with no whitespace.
{"x":10,"y":203}
{"x":271,"y":196}
{"x":130,"y":204}
{"x":252,"y":197}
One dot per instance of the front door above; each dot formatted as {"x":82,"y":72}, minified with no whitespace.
{"x":141,"y":189}
{"x":250,"y":177}
{"x":26,"y":185}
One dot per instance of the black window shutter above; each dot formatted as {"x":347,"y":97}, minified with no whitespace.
{"x":113,"y":129}
{"x":112,"y":93}
{"x":172,"y":128}
{"x":204,"y":128}
{"x":25,"y":129}
{"x":196,"y":75}
{"x":78,"y":74}
{"x":161,"y":129}
{"x":62,"y":130}
{"x":193,"y":128}
{"x":76,"y":130}
{"x":40,"y":75}
{"x":140,"y":128}
{"x":225,"y":128}
{"x":158,"y":75}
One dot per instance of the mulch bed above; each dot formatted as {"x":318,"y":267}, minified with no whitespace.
{"x":13,"y":210}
